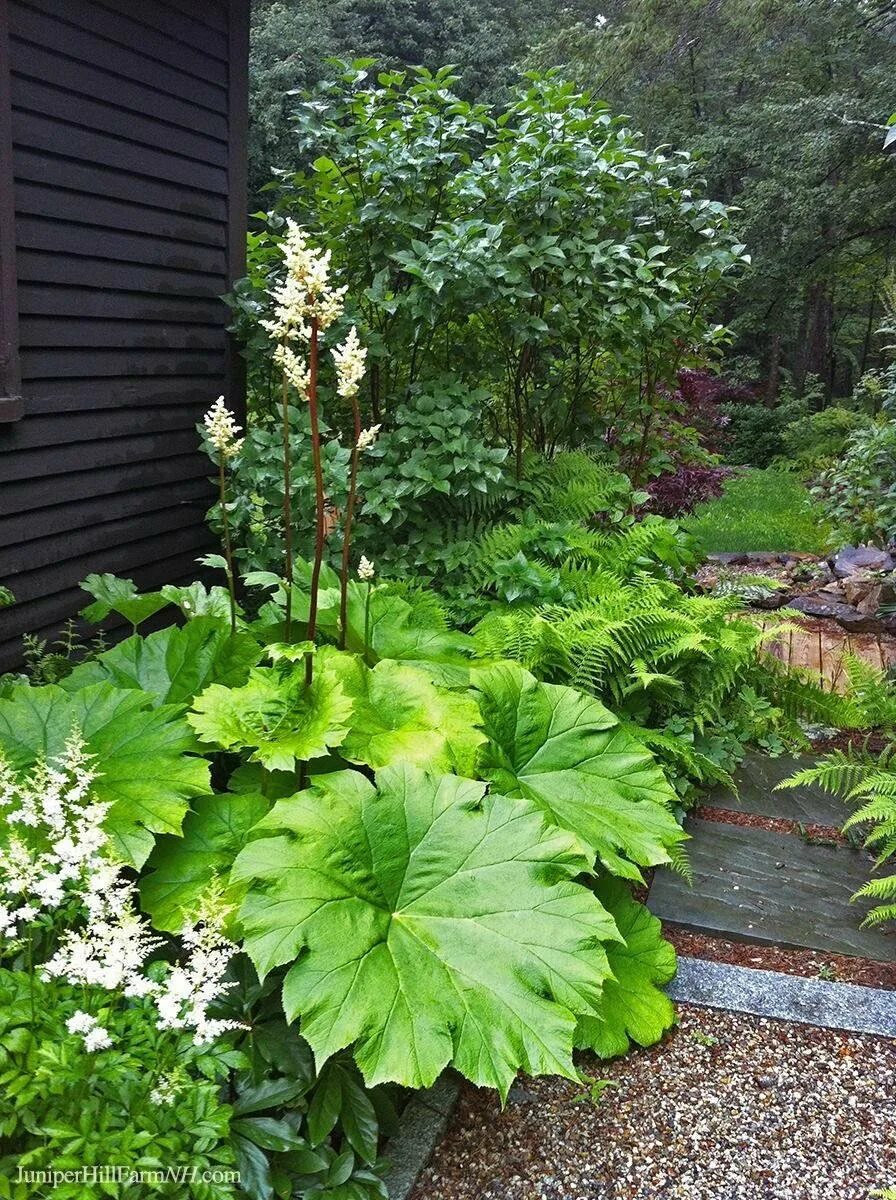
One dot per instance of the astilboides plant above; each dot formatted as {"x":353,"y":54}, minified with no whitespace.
{"x":221,"y":432}
{"x":306,"y":305}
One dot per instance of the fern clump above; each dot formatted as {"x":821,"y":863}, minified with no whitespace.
{"x":868,"y":783}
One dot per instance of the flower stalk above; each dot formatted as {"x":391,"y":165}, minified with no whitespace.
{"x":221,"y":429}
{"x":319,"y":496}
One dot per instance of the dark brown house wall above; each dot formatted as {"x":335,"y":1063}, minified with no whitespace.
{"x":124,"y":194}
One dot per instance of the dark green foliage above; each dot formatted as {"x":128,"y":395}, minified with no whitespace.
{"x":785,"y":101}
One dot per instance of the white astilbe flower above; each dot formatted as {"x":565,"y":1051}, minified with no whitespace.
{"x":111,"y":950}
{"x":366,"y":570}
{"x":367,"y":437}
{"x":190,"y":988}
{"x":166,"y":1090}
{"x":80,"y":1022}
{"x":305,"y":293}
{"x":56,"y":841}
{"x":221,"y":429}
{"x":97,"y":1039}
{"x":350,"y":359}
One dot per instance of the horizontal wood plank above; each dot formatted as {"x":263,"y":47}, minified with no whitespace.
{"x":79,"y":44}
{"x":118,"y":27}
{"x":34,"y":131}
{"x":43,"y":63}
{"x":40,"y":266}
{"x":77,"y":332}
{"x":111,"y":474}
{"x":50,"y":300}
{"x":50,"y":100}
{"x":56,"y":171}
{"x":65,"y":396}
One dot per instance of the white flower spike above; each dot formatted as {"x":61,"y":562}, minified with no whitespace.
{"x":221,"y":429}
{"x":350,"y":359}
{"x":366,"y":570}
{"x":368,"y":437}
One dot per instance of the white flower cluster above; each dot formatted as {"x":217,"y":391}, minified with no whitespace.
{"x":367,"y":437}
{"x":95,"y":1036}
{"x":52,"y":801}
{"x":366,"y":570}
{"x":222,"y":429}
{"x":350,"y":359}
{"x":111,"y":947}
{"x":305,"y":293}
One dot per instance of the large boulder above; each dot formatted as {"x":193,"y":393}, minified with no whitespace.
{"x":819,"y":604}
{"x":852,"y":559}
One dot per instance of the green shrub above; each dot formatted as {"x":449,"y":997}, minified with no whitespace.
{"x":814,"y":440}
{"x":858,"y":493}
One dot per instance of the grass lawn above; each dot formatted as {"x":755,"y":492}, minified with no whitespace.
{"x":761,"y":510}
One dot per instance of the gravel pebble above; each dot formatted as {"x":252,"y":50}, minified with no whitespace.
{"x":729,"y":1107}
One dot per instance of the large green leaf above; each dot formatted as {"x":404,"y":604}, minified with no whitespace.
{"x":632,"y":1006}
{"x":566,"y":752}
{"x":180,"y":870}
{"x":389,"y":624}
{"x":425,"y":925}
{"x":144,"y":772}
{"x":174,"y":664}
{"x":112,"y":594}
{"x":275,"y":713}
{"x":399,"y":714}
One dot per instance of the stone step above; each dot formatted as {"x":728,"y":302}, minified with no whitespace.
{"x":756,"y":779}
{"x":754,"y":885}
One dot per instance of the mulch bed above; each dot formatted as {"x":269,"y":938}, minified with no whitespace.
{"x":812,"y":964}
{"x":812,"y":832}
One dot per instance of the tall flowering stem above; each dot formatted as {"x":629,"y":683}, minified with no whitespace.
{"x":287,"y":505}
{"x":221,"y":430}
{"x":350,"y":360}
{"x":366,"y":573}
{"x":305,"y":304}
{"x":319,"y":497}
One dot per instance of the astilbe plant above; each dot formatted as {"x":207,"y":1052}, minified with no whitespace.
{"x":61,"y":889}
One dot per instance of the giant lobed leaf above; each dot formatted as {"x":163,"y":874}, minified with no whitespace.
{"x":425,"y":924}
{"x":566,"y":752}
{"x":633,"y":1008}
{"x":180,"y":870}
{"x":399,"y":714}
{"x":144,"y":772}
{"x":389,"y":624}
{"x":113,"y":594}
{"x":275,"y":713}
{"x":174,"y":664}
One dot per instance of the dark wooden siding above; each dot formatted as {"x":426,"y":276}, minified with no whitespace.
{"x":127,"y":128}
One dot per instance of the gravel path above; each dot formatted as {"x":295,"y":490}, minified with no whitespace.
{"x":730,"y":1107}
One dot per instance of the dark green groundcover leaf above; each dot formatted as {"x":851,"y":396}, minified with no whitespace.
{"x":144,"y":770}
{"x":425,"y":923}
{"x":565,"y":752}
{"x":175,"y":664}
{"x":633,"y":1008}
{"x":180,"y":870}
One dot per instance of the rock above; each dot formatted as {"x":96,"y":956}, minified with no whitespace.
{"x":761,"y":558}
{"x":727,"y":559}
{"x":770,"y":601}
{"x":852,"y":559}
{"x":817,"y":604}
